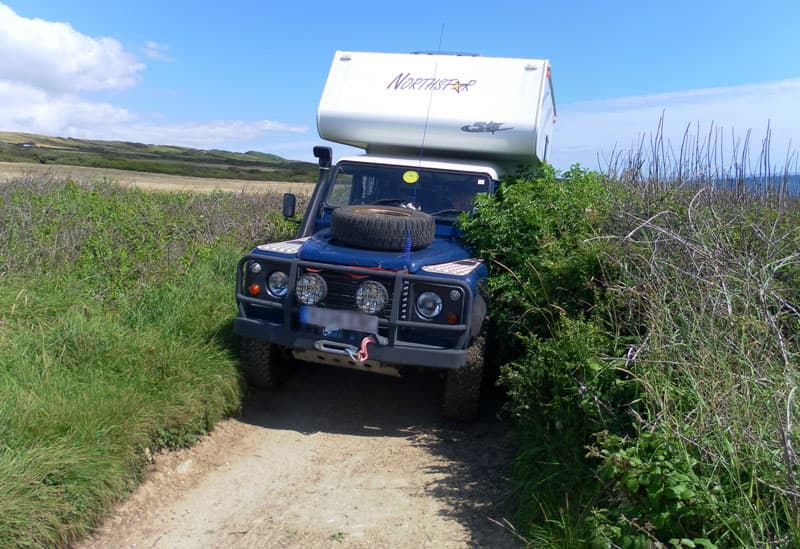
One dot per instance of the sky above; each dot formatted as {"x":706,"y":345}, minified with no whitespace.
{"x":247,"y":75}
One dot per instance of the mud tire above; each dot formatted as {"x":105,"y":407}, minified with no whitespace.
{"x":462,"y":387}
{"x":382,"y":227}
{"x":261,"y":363}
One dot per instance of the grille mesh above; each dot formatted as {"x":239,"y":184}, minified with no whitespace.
{"x":342,"y":291}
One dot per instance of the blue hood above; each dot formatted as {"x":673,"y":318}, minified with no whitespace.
{"x":319,"y":248}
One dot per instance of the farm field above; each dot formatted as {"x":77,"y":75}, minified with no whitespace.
{"x":45,"y":150}
{"x":150,"y":181}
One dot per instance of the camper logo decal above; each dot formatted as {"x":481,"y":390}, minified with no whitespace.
{"x":405,"y":81}
{"x":485,"y":127}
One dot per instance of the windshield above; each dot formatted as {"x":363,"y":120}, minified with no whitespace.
{"x":434,"y":192}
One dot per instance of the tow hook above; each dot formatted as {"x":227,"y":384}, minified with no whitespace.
{"x":363,"y":354}
{"x":354,"y":353}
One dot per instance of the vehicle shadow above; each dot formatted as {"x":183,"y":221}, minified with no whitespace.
{"x":471,"y":481}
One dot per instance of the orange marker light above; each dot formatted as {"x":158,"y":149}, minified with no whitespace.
{"x":254,"y":289}
{"x":452,"y":318}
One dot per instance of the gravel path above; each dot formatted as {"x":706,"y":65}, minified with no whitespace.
{"x":334,"y":458}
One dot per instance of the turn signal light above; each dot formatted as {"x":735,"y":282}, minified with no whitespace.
{"x":254,"y":289}
{"x":452,"y":318}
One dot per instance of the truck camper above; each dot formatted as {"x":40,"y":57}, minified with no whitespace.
{"x":377,"y":277}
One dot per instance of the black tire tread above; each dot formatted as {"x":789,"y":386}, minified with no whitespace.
{"x":462,"y":387}
{"x":366,"y":227}
{"x":261,"y":363}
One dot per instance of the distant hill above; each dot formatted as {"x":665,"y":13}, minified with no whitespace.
{"x":122,"y":155}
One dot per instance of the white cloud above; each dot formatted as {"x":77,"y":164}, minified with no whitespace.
{"x":56,"y":58}
{"x":26,"y":108}
{"x":159,"y":52}
{"x":591,"y":128}
{"x":43,"y":68}
{"x":46,"y":66}
{"x":29,"y":109}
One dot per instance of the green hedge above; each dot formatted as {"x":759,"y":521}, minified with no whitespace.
{"x":650,"y":343}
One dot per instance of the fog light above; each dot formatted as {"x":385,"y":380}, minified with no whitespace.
{"x":278,"y":284}
{"x":371,"y":297}
{"x":311,"y":289}
{"x":429,"y":305}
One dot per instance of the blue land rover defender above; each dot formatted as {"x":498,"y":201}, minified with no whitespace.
{"x":377,"y":277}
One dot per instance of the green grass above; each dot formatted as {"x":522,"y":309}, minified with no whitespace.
{"x":115,"y":336}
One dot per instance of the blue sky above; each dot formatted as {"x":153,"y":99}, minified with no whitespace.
{"x":248,"y":75}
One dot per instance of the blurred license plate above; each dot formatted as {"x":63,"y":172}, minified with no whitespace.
{"x":339,"y":320}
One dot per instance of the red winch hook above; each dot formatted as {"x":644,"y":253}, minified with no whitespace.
{"x":363,"y":355}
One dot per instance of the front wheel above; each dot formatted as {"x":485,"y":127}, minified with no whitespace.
{"x":261,"y":363}
{"x":462,"y":387}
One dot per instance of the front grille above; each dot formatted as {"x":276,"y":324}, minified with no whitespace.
{"x":342,"y":291}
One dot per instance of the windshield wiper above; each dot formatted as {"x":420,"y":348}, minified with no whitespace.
{"x":448,"y":211}
{"x":391,"y":201}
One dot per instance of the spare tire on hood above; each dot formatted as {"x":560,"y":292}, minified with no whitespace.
{"x":382,"y":227}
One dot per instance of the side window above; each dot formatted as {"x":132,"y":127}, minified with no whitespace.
{"x":342,"y":187}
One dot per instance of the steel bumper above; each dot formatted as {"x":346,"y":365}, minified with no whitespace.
{"x":400,"y":355}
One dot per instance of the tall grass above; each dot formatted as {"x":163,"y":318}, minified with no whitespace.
{"x":115,"y":313}
{"x":711,"y":258}
{"x":655,"y":319}
{"x":711,"y":158}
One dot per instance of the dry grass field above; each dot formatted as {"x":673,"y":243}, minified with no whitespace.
{"x":151,"y":181}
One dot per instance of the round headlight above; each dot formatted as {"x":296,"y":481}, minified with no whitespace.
{"x":429,"y":305}
{"x":371,"y":297}
{"x":311,"y":289}
{"x":278,"y":284}
{"x":255,"y":267}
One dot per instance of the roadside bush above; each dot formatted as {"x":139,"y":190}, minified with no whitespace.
{"x":651,"y":344}
{"x":539,"y":234}
{"x":533,"y":232}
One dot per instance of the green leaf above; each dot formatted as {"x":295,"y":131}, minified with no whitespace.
{"x":632,"y":483}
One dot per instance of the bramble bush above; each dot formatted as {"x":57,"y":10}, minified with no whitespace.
{"x":537,"y":233}
{"x":650,"y":343}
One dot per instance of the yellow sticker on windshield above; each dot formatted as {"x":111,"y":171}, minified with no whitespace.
{"x":411,"y":176}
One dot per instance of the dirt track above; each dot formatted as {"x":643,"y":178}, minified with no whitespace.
{"x":335,"y":458}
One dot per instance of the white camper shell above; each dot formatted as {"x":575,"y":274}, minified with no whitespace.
{"x":434,"y":105}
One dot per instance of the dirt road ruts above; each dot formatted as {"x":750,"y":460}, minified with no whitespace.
{"x":334,"y":458}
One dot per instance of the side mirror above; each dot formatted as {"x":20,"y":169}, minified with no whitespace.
{"x":289,"y":205}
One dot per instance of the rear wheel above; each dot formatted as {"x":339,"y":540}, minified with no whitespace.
{"x":262,"y":363}
{"x":462,"y":387}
